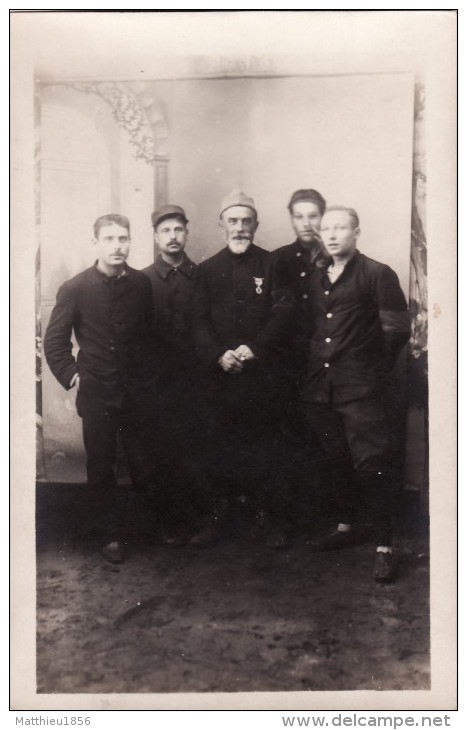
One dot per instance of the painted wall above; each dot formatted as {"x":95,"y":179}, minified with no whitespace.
{"x":348,"y":136}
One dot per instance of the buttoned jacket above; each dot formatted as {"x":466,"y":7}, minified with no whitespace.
{"x":172,"y":295}
{"x":112,"y":319}
{"x":236,"y":304}
{"x":292,"y":269}
{"x":360,"y":324}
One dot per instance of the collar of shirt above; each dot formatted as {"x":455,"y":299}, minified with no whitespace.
{"x":164,"y":269}
{"x":311,"y":255}
{"x":340,"y":269}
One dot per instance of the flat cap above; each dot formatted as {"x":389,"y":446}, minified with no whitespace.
{"x":168,"y":211}
{"x":310,"y":195}
{"x":237,"y":197}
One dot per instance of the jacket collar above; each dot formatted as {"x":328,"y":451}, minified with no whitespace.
{"x":163,"y":268}
{"x":351,"y":263}
{"x":318,"y":255}
{"x":124,"y":275}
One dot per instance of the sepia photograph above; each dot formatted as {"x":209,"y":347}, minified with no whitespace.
{"x":236,"y":486}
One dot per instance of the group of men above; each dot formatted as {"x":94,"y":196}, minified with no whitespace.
{"x":204,"y":371}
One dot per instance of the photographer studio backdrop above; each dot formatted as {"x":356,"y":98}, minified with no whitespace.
{"x":126,"y":147}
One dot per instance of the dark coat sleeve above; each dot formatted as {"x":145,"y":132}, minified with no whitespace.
{"x":277,"y":330}
{"x":57,"y":340}
{"x":393,"y":316}
{"x":280,"y":277}
{"x":206,"y":342}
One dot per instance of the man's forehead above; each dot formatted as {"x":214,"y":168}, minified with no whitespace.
{"x":340,"y":215}
{"x":113,"y":229}
{"x":302,"y":206}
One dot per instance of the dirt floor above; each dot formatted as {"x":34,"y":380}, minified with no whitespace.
{"x":238,"y":617}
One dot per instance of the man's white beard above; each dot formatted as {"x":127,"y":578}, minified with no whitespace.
{"x":239,"y":245}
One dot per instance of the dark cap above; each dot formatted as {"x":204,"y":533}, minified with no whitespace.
{"x":168,"y":211}
{"x":311,"y":195}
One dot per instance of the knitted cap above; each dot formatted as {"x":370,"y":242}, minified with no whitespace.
{"x":237,"y":197}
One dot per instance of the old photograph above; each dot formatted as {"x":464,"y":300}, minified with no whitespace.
{"x":244,"y":488}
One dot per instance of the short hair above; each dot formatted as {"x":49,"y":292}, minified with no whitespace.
{"x":351,"y":211}
{"x":107,"y":220}
{"x":310,"y":195}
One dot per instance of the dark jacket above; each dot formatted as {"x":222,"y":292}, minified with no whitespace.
{"x":292,"y":269}
{"x":112,"y":319}
{"x":172,"y":296}
{"x":236,"y":304}
{"x":360,"y":324}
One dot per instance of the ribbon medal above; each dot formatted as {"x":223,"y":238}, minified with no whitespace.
{"x":259,"y":284}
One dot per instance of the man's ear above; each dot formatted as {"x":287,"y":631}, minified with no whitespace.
{"x":357,"y":232}
{"x":256,"y":226}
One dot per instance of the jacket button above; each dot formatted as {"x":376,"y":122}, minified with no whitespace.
{"x":329,"y":315}
{"x":328,"y":339}
{"x":327,"y":293}
{"x":305,"y":296}
{"x":326,"y":364}
{"x":303,"y":273}
{"x":298,"y":253}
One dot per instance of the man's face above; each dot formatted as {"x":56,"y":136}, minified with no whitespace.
{"x":306,"y":219}
{"x":338,"y":233}
{"x":171,"y":236}
{"x":113,"y":245}
{"x":238,"y":225}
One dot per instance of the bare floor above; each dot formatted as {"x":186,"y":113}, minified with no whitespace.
{"x":238,"y":617}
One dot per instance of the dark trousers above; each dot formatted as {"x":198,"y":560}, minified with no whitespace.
{"x":356,"y":441}
{"x":177,"y":425}
{"x":103,"y":427}
{"x":300,"y":450}
{"x":243,"y":459}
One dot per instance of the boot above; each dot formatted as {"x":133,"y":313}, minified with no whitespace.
{"x":385,"y":567}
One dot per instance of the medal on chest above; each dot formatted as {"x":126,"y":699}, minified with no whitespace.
{"x":259,"y":283}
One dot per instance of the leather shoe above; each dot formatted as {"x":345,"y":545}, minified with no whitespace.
{"x":385,"y":567}
{"x":337,"y":539}
{"x":114,"y":552}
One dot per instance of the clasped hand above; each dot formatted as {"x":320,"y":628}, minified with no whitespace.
{"x":232,"y":361}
